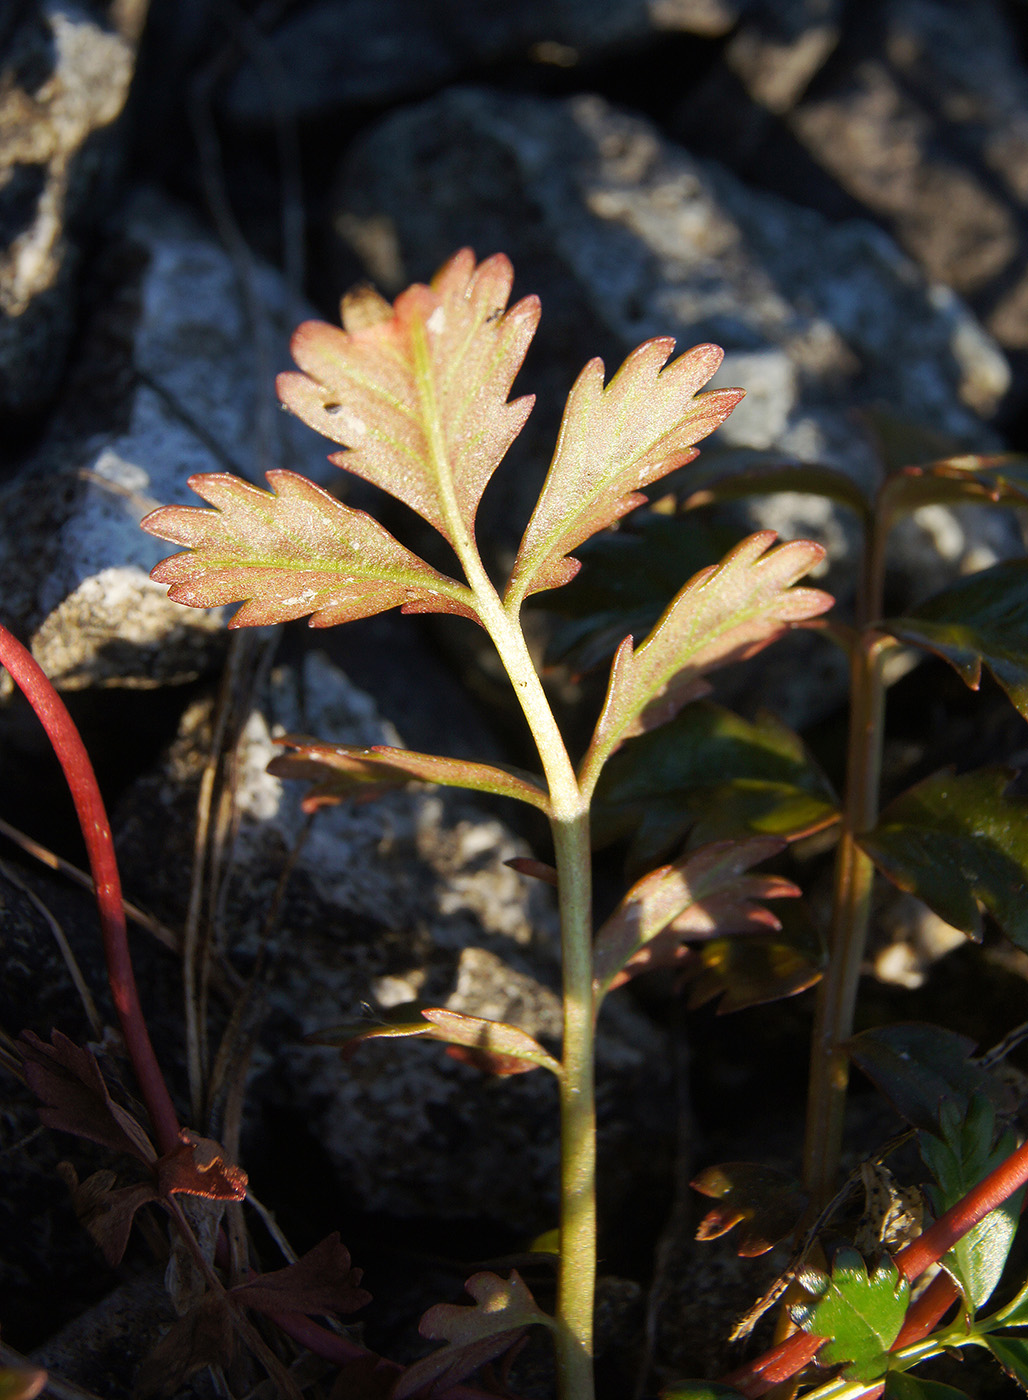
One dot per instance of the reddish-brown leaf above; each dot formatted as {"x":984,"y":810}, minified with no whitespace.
{"x":75,"y":1098}
{"x":107,"y":1211}
{"x":321,"y":1281}
{"x":204,"y":1337}
{"x":420,"y":397}
{"x":358,"y":767}
{"x":613,"y":441}
{"x":726,"y":613}
{"x":493,"y":1041}
{"x":294,"y":551}
{"x":767,"y":1203}
{"x":197,"y":1167}
{"x":21,"y":1382}
{"x":473,"y":1336}
{"x":702,"y":895}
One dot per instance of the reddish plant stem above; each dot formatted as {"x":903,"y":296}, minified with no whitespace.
{"x":29,"y":676}
{"x":759,"y":1376}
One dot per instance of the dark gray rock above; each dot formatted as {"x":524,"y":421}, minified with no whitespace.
{"x":65,"y":70}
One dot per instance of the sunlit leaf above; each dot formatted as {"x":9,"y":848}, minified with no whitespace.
{"x":358,"y":766}
{"x":197,"y":1167}
{"x":492,"y":1039}
{"x":420,"y":398}
{"x":965,"y":479}
{"x":1012,"y":1355}
{"x":75,"y":1098}
{"x":959,"y":843}
{"x":766,"y":1203}
{"x":627,"y":577}
{"x":958,"y":1160}
{"x":752,"y":969}
{"x":860,"y":1314}
{"x":920,"y":1068}
{"x":294,"y":551}
{"x":613,"y":441}
{"x":981,"y":619}
{"x":336,"y":777}
{"x":704,"y":894}
{"x":473,"y":1335}
{"x":902,"y":1385}
{"x":735,"y":473}
{"x":725,"y":613}
{"x":321,"y":1281}
{"x":21,"y":1382}
{"x":710,"y":775}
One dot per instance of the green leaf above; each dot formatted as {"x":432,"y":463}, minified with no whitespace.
{"x":495,"y":1046}
{"x":959,"y":1159}
{"x":699,"y":1390}
{"x":751,"y":970}
{"x":957,"y":843}
{"x":1012,"y":1355}
{"x":627,"y":577}
{"x":725,"y":613}
{"x":291,"y":552}
{"x":922,"y":1068}
{"x":732,"y":474}
{"x":613,"y":441}
{"x":712,"y":775}
{"x":983,"y":618}
{"x":357,"y":766}
{"x":767,"y":1204}
{"x":473,"y":1335}
{"x":704,"y":894}
{"x":861,"y":1315}
{"x":419,"y":395}
{"x":901,"y":1385}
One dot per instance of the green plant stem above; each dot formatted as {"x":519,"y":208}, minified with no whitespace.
{"x":854,"y":880}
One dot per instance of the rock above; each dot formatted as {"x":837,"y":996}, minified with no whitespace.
{"x":407,"y":897}
{"x":627,"y":236}
{"x":324,"y":55}
{"x":172,"y":378}
{"x":920,"y":119}
{"x":65,"y":70}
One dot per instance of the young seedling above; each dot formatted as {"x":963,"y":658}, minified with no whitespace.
{"x":417,"y":395}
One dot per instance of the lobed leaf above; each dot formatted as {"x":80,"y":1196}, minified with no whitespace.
{"x":959,"y":1159}
{"x":726,"y":613}
{"x":502,"y":1311}
{"x":768,"y":1204}
{"x":627,"y":577}
{"x":205,"y":1336}
{"x":321,"y":1281}
{"x":419,"y":396}
{"x":711,"y":775}
{"x":959,"y":843}
{"x":922,"y":1068}
{"x":756,"y":968}
{"x":1012,"y":1355}
{"x":963,"y":479}
{"x":197,"y":1167}
{"x":105,"y":1210}
{"x":860,"y":1314}
{"x":703,"y":894}
{"x":75,"y":1097}
{"x":494,"y":1042}
{"x":980,"y":619}
{"x":613,"y":441}
{"x":358,"y":766}
{"x":294,"y":551}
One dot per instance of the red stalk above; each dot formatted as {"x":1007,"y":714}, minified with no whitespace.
{"x":27,"y":674}
{"x":785,"y":1360}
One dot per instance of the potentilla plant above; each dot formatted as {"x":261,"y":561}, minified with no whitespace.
{"x":417,"y":394}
